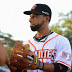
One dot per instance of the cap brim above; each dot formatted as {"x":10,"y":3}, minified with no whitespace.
{"x":31,"y":12}
{"x":27,"y":12}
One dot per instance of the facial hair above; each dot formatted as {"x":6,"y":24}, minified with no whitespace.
{"x":36,"y":27}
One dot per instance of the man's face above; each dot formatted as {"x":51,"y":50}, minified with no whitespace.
{"x":36,"y":21}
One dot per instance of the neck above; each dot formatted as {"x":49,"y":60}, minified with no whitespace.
{"x":43,"y":32}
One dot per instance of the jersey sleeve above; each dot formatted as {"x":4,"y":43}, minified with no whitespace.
{"x":63,"y":54}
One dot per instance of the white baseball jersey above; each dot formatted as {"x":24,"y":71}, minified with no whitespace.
{"x":56,"y":49}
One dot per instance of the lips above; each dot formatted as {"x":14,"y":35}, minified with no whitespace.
{"x":32,"y":24}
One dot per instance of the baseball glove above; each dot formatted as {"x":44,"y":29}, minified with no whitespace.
{"x":23,"y":58}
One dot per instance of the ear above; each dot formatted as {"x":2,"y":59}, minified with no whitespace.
{"x":47,"y":18}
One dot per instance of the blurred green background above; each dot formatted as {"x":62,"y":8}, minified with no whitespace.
{"x":62,"y":27}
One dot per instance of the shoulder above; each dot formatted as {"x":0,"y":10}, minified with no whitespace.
{"x":63,"y":39}
{"x":62,"y":43}
{"x":60,"y":38}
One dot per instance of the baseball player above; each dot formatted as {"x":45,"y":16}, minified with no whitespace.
{"x":52,"y":49}
{"x":3,"y":55}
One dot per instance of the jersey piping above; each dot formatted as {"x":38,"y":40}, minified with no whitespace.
{"x":59,"y":61}
{"x":32,"y":44}
{"x":49,"y":40}
{"x":63,"y":63}
{"x":44,"y":43}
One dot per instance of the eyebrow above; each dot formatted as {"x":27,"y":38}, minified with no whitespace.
{"x":33,"y":15}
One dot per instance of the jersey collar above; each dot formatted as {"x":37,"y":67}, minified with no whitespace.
{"x":42,"y":39}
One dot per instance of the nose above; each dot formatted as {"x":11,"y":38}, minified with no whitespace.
{"x":31,"y":20}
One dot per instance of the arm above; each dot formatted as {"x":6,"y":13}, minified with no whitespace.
{"x":55,"y":67}
{"x":52,"y":67}
{"x":3,"y":55}
{"x":63,"y":62}
{"x":48,"y":67}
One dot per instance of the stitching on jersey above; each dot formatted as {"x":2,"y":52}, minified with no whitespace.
{"x":49,"y":40}
{"x":64,"y":63}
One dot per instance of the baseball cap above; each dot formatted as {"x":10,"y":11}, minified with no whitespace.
{"x":39,"y":9}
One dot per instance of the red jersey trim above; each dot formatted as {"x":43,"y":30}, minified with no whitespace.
{"x":44,"y":43}
{"x":49,"y":40}
{"x":32,"y":44}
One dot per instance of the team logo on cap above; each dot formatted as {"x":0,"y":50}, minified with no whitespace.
{"x":45,"y":12}
{"x":34,"y":6}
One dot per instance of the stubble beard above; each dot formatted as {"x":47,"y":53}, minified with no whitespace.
{"x":36,"y":27}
